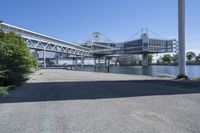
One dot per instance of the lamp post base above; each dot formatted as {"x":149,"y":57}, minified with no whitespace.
{"x":182,"y":77}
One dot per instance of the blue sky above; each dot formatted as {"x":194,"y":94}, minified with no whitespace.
{"x":76,"y":20}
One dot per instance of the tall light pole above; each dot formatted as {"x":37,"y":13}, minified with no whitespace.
{"x":181,"y":38}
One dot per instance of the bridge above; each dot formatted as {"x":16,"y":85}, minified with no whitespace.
{"x":95,"y":47}
{"x":144,"y":45}
{"x":40,"y":42}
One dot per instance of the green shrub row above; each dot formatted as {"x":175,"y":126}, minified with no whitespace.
{"x":16,"y":61}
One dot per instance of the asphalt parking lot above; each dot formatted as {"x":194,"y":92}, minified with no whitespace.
{"x":61,"y":101}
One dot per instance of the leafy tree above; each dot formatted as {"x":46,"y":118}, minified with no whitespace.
{"x":15,"y":59}
{"x":167,"y":58}
{"x":175,"y":58}
{"x":190,"y":56}
{"x":197,"y":57}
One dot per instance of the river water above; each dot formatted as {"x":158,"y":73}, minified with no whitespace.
{"x":192,"y":70}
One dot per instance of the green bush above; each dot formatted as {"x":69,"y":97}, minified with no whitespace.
{"x":198,"y":78}
{"x":16,"y":60}
{"x":4,"y":90}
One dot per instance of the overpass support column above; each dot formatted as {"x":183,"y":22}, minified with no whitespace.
{"x":105,"y":62}
{"x":98,"y":62}
{"x":116,"y":62}
{"x":57,"y":58}
{"x":95,"y":62}
{"x":44,"y":58}
{"x":82,"y":61}
{"x":75,"y":62}
{"x":36,"y":56}
{"x":108,"y":64}
{"x":145,"y":59}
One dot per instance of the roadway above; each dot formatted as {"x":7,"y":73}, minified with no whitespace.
{"x":61,"y":101}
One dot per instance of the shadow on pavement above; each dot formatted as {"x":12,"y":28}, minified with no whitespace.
{"x":52,"y":91}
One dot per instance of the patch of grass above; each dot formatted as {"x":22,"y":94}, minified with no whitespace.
{"x":4,"y":90}
{"x":198,"y":78}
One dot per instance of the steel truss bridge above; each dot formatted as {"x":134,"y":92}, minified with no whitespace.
{"x":42,"y":42}
{"x":95,"y":47}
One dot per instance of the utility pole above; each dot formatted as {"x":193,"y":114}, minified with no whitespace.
{"x":181,"y":38}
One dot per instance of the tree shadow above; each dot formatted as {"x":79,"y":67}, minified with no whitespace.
{"x":53,"y":91}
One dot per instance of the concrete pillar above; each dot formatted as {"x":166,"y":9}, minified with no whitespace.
{"x":108,"y":65}
{"x":57,"y":58}
{"x":75,"y":62}
{"x":181,"y":36}
{"x":116,"y":62}
{"x":36,"y":56}
{"x":82,"y":61}
{"x":95,"y":62}
{"x":44,"y":58}
{"x":108,"y":62}
{"x":105,"y":62}
{"x":99,"y":61}
{"x":145,"y":59}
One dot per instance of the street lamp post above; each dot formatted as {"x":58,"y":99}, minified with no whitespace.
{"x":181,"y":38}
